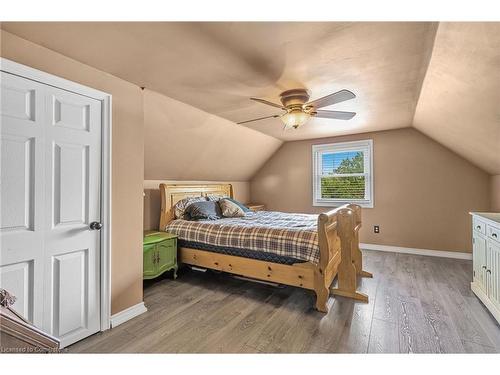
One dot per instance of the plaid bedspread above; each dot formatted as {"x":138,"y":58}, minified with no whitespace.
{"x":284,"y":234}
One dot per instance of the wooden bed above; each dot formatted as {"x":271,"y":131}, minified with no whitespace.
{"x":338,"y":245}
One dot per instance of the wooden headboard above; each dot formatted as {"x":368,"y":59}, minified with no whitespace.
{"x":171,"y":194}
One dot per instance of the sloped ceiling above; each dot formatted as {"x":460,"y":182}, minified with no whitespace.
{"x":452,"y":73}
{"x":217,"y":67}
{"x":459,"y":105}
{"x":183,"y":142}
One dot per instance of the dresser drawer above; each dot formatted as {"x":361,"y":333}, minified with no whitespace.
{"x":479,"y":226}
{"x":493,"y":232}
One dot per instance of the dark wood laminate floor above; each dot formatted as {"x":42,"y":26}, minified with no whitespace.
{"x":417,"y":304}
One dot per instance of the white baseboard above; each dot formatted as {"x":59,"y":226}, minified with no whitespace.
{"x":127,"y":314}
{"x":411,"y":250}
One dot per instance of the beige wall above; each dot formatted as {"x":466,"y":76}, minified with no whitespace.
{"x":127,"y":159}
{"x":241,"y":191}
{"x":495,"y":193}
{"x":186,"y":143}
{"x":423,"y":191}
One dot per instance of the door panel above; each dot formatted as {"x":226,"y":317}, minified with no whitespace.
{"x":71,"y":183}
{"x":71,"y":112}
{"x":69,"y":292}
{"x":21,"y":193}
{"x":18,"y":166}
{"x":17,"y":278}
{"x":18,"y":101}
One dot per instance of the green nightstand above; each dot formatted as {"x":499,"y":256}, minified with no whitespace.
{"x":159,"y":254}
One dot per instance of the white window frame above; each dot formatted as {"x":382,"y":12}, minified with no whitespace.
{"x":366,"y":146}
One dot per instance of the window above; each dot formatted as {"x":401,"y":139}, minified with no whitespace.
{"x":342,"y":173}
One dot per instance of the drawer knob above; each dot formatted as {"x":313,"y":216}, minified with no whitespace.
{"x":489,"y":271}
{"x":478,"y":227}
{"x":484,"y":267}
{"x":494,"y":235}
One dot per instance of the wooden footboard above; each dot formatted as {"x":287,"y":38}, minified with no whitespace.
{"x":330,"y":253}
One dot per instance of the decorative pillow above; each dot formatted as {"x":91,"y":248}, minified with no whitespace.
{"x":180,"y":207}
{"x":230,"y":209}
{"x":241,"y":205}
{"x":203,"y":211}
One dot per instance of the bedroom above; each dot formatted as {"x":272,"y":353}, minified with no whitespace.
{"x":252,"y":187}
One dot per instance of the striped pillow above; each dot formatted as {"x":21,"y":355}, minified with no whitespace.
{"x":180,"y":207}
{"x":203,"y":211}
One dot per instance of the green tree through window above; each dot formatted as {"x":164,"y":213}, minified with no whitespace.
{"x":345,"y":187}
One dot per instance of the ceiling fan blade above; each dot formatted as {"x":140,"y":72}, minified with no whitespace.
{"x":258,"y":119}
{"x":337,"y":97}
{"x":263,"y":101}
{"x":339,"y":115}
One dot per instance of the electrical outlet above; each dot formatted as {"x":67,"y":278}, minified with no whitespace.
{"x":376,"y":229}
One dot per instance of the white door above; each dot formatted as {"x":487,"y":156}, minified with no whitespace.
{"x":21,"y":193}
{"x":51,"y":168}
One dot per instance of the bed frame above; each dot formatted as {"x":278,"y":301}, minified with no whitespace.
{"x":338,"y":244}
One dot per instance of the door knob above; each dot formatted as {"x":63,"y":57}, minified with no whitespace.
{"x":95,"y":225}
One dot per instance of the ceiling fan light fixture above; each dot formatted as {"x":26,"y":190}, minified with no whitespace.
{"x":299,"y":109}
{"x":295,"y":118}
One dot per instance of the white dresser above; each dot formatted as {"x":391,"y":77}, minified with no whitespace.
{"x":486,"y":260}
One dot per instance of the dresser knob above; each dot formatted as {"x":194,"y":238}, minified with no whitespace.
{"x":494,"y":235}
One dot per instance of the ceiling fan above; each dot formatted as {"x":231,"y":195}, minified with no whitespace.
{"x":298,"y":109}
